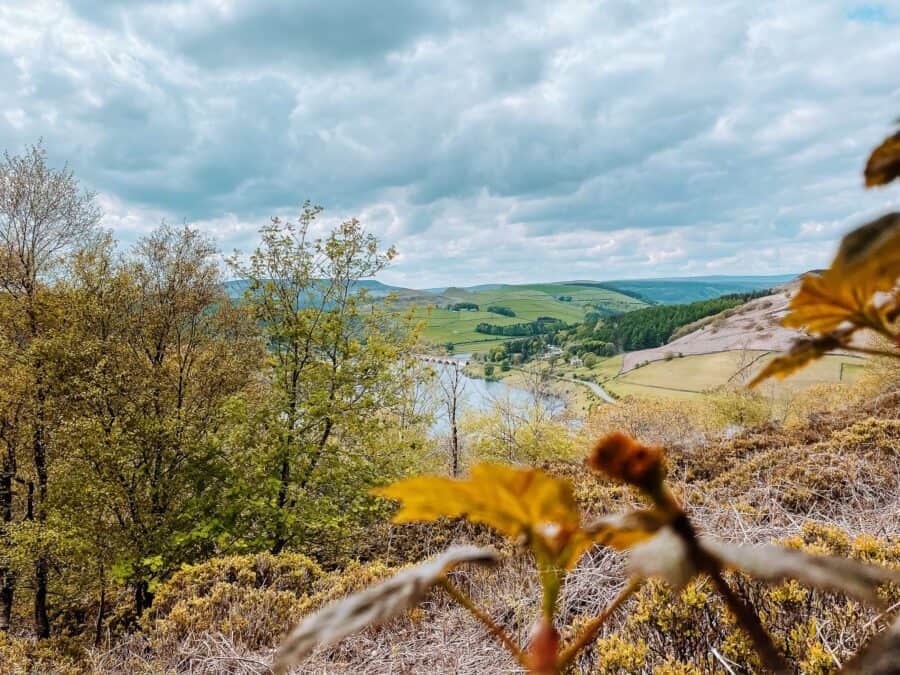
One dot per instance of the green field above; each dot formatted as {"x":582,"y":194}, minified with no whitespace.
{"x":528,"y":302}
{"x":689,"y":376}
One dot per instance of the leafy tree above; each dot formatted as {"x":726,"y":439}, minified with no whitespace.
{"x":541,"y":325}
{"x":160,"y":351}
{"x":44,"y":214}
{"x":337,"y":375}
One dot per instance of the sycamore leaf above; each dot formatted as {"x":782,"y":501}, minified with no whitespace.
{"x":825,"y":301}
{"x":871,"y":254}
{"x":513,"y":501}
{"x":801,"y":353}
{"x":884,"y":162}
{"x":373,"y":605}
{"x":829,"y":573}
{"x":622,"y":531}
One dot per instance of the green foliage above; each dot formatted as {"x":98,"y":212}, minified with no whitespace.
{"x":335,"y":419}
{"x":502,"y":311}
{"x":465,"y":306}
{"x":541,"y":326}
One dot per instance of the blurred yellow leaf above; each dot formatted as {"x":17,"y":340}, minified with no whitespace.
{"x":884,"y":162}
{"x":622,"y":531}
{"x":826,"y":301}
{"x":514,"y":501}
{"x":803,"y":351}
{"x":871,"y":254}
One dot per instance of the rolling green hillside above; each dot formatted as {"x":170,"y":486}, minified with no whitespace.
{"x":528,"y":302}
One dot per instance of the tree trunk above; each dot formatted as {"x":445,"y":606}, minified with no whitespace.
{"x":143,"y":598}
{"x":454,"y":444}
{"x":280,"y":538}
{"x":101,"y":610}
{"x":41,"y":566}
{"x":7,"y":592}
{"x":41,"y":620}
{"x":7,"y":581}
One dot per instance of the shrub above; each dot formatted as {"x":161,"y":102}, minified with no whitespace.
{"x":251,"y":597}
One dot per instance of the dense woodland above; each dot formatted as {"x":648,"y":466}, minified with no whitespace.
{"x":147,"y":421}
{"x":539,"y":327}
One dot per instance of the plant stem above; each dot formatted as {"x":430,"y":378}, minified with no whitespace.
{"x":873,"y":352}
{"x":494,"y":629}
{"x":748,"y":620}
{"x":589,"y":632}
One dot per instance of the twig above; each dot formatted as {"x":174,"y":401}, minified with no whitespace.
{"x":707,"y":563}
{"x":594,"y":625}
{"x":750,"y":623}
{"x":721,"y":659}
{"x":493,"y":628}
{"x":872,"y":352}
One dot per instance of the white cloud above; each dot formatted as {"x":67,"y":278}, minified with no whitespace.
{"x":491,"y":141}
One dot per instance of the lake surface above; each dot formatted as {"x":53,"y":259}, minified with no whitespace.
{"x":481,"y":395}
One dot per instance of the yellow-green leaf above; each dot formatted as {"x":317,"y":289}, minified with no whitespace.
{"x":803,"y":352}
{"x":825,"y":301}
{"x":513,"y":501}
{"x":870,"y":254}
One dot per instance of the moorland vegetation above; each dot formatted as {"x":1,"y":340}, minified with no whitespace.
{"x":196,"y":484}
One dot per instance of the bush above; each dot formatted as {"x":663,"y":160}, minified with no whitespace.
{"x":672,"y":632}
{"x":251,"y":597}
{"x":59,"y":655}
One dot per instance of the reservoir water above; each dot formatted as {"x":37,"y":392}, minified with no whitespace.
{"x":482,"y":395}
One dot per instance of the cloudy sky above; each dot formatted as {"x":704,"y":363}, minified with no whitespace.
{"x":490,"y":140}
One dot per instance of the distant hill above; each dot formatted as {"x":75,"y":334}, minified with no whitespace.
{"x":678,"y":290}
{"x":526,"y":302}
{"x":566,"y":301}
{"x":375,"y":289}
{"x":667,"y":291}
